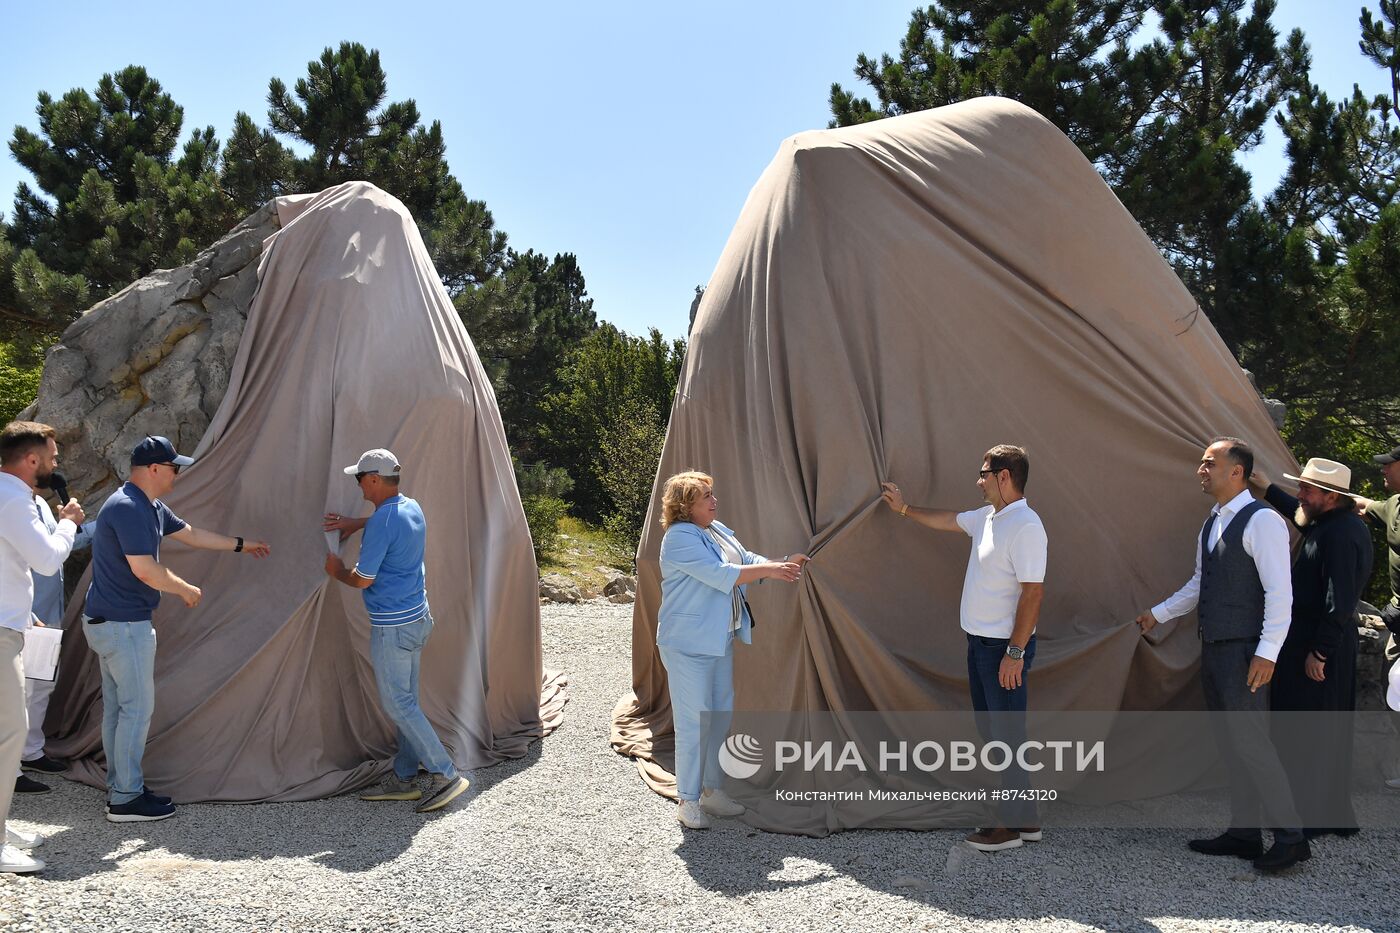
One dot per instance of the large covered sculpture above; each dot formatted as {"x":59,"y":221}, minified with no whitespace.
{"x":265,"y":690}
{"x":895,"y":299}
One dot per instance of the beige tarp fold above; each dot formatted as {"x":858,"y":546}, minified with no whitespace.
{"x":265,"y":690}
{"x":895,"y":299}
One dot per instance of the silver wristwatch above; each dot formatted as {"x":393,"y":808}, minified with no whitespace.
{"x":1015,"y":653}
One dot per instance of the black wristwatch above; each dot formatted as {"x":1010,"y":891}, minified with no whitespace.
{"x":1015,"y":653}
{"x":238,"y":546}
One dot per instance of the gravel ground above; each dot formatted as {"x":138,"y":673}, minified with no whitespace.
{"x":569,"y":838}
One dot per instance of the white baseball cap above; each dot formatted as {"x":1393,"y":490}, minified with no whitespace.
{"x":378,"y":461}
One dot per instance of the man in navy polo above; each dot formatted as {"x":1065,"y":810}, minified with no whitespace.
{"x":127,"y":580}
{"x":390,"y":572}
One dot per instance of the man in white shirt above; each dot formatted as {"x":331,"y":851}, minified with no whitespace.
{"x":28,"y":456}
{"x":48,"y":611}
{"x":1001,"y":598}
{"x":1242,"y":591}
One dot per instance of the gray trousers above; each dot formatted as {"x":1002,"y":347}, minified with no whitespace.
{"x":1259,"y":790}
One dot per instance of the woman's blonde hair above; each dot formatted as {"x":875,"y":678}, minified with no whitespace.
{"x":681,"y":493}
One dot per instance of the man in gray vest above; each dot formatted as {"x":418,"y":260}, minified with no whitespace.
{"x":1243,"y":597}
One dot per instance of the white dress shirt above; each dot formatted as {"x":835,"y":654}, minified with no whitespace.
{"x":24,"y":544}
{"x":1265,"y":540}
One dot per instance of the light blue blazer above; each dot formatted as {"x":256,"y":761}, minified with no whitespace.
{"x":696,"y":591}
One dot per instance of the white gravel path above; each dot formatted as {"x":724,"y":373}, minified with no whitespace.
{"x":570,"y":839}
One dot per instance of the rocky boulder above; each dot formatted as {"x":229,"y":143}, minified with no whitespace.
{"x":557,"y":588}
{"x":621,"y":588}
{"x":154,"y":358}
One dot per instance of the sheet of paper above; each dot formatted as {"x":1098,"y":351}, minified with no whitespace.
{"x":40,"y":653}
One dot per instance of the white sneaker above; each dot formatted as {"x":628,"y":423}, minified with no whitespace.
{"x":17,"y":861}
{"x":718,"y":803}
{"x":1393,"y":783}
{"x":22,"y":840}
{"x":690,"y":815}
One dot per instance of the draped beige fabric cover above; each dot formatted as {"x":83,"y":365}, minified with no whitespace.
{"x":265,"y":690}
{"x":895,"y":299}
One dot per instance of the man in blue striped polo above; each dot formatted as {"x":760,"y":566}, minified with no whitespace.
{"x":390,"y":572}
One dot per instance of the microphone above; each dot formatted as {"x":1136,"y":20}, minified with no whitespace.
{"x":59,"y":484}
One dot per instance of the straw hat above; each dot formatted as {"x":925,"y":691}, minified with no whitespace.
{"x":1326,"y":474}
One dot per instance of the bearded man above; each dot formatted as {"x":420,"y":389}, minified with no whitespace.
{"x":1316,"y":669}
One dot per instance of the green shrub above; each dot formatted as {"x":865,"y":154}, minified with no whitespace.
{"x":630,"y":450}
{"x":541,"y":479}
{"x":20,"y":370}
{"x":542,"y":514}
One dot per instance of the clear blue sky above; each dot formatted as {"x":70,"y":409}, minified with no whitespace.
{"x":626,"y":133}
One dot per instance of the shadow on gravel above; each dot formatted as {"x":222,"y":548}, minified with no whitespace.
{"x":1133,"y":881}
{"x":342,"y":833}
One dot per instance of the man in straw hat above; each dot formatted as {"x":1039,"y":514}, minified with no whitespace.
{"x":1316,"y":669}
{"x":1386,"y":513}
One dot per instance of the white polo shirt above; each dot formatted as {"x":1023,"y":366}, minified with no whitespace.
{"x":1008,"y":549}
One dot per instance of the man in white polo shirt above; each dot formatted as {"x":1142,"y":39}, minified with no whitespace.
{"x":1001,"y":597}
{"x":28,"y":457}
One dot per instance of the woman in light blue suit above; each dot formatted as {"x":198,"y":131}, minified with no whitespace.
{"x":704,"y":570}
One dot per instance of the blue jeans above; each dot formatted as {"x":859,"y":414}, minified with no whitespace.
{"x":394,"y":651}
{"x":702,"y":704}
{"x":1001,"y":716}
{"x":126,"y":652}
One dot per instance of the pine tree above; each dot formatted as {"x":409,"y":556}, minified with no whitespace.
{"x":1165,"y":122}
{"x":115,"y":200}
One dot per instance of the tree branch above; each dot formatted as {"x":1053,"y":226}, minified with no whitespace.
{"x":26,"y":319}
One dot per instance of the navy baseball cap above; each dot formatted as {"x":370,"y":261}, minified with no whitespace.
{"x":157,"y":449}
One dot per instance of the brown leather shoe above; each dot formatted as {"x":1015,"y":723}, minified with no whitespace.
{"x":994,"y":839}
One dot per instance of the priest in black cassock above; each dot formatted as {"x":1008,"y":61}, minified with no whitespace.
{"x":1316,"y":670}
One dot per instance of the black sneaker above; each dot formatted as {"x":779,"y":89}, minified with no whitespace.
{"x":141,"y":809}
{"x":158,"y":798}
{"x":44,"y":765}
{"x":443,"y":791}
{"x":27,"y":785}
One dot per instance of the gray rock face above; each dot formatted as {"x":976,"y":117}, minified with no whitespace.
{"x":1278,"y":411}
{"x":1371,"y":665}
{"x":154,"y":358}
